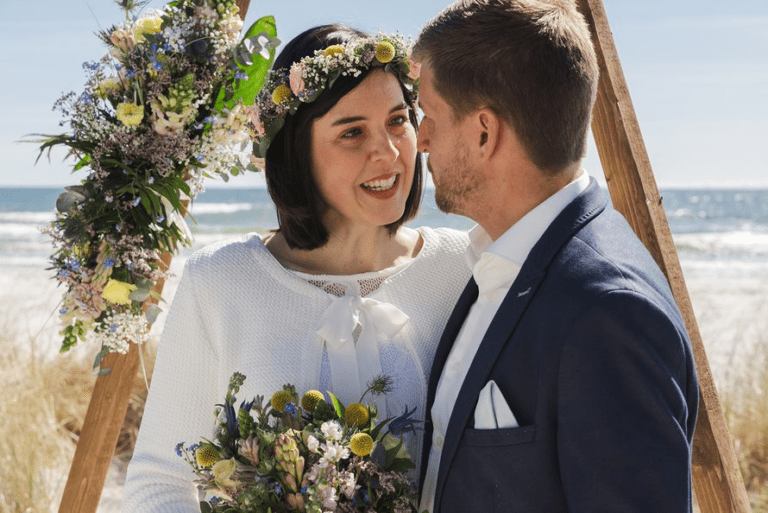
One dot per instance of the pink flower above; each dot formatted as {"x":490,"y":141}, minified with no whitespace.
{"x":415,"y":69}
{"x":258,"y":125}
{"x":297,"y":81}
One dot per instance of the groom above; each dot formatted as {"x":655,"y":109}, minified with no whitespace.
{"x":564,"y":380}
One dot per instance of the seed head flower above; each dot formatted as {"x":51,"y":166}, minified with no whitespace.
{"x":385,"y":52}
{"x":361,"y":444}
{"x":280,"y":399}
{"x":130,"y":114}
{"x":117,"y":292}
{"x":356,"y":415}
{"x":206,"y":455}
{"x":281,"y":94}
{"x":310,"y":399}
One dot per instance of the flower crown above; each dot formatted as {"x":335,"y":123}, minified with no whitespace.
{"x":284,"y":90}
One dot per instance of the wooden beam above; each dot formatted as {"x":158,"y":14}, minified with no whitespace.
{"x":717,"y":480}
{"x":105,"y":416}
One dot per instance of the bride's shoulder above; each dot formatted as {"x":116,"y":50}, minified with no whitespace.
{"x":230,"y":254}
{"x":445,"y":240}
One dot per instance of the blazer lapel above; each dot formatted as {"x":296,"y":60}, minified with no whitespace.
{"x":498,"y":337}
{"x":452,"y":328}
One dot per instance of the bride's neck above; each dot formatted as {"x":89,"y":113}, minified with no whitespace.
{"x":349,"y":252}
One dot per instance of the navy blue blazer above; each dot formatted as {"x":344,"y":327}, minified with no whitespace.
{"x":592,"y":356}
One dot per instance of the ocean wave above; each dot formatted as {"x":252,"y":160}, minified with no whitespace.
{"x":220,"y":208}
{"x":27,"y":217}
{"x":733,"y":243}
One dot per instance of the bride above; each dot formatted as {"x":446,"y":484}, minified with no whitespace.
{"x":340,"y":293}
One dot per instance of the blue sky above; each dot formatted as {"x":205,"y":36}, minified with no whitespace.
{"x":697,"y":73}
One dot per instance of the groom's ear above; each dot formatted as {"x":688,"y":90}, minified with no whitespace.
{"x":488,"y":131}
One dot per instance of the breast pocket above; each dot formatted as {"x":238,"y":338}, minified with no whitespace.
{"x":499,"y":437}
{"x":489,"y":470}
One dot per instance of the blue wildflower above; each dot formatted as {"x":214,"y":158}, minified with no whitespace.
{"x":167,"y":47}
{"x":157,"y":66}
{"x":160,"y":219}
{"x":113,"y":328}
{"x":74,"y":265}
{"x":109,"y":262}
{"x":129,"y":266}
{"x":241,"y":75}
{"x":179,"y":447}
{"x":63,"y":311}
{"x":194,"y":447}
{"x":64,"y":273}
{"x":290,"y":408}
{"x":117,"y":227}
{"x":304,"y":489}
{"x":130,"y":73}
{"x":404,"y":423}
{"x":136,"y":201}
{"x":200,"y":157}
{"x":209,"y":119}
{"x":215,"y":500}
{"x":153,"y":46}
{"x":118,"y":66}
{"x":278,"y":489}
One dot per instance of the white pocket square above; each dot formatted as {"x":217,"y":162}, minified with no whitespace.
{"x":492,"y":411}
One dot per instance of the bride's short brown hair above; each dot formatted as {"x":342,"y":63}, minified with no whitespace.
{"x":530,"y":61}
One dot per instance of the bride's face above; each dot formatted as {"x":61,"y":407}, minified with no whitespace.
{"x":364,"y":154}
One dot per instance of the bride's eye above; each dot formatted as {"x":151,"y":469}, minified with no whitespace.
{"x":398,"y":120}
{"x":352,"y":133}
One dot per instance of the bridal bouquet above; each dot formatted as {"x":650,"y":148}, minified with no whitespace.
{"x":303,"y":454}
{"x":170,"y":103}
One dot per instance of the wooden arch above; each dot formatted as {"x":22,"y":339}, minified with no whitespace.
{"x":717,"y":480}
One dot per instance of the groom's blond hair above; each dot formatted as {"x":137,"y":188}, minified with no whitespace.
{"x":530,"y":61}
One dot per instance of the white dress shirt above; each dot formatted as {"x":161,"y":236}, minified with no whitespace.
{"x":495,"y":265}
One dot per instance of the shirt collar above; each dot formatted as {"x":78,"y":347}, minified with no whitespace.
{"x":515,"y":244}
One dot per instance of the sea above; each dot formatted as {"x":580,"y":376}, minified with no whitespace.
{"x":719,"y":231}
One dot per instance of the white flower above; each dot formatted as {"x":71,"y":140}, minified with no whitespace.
{"x":331,"y":430}
{"x":312,"y":444}
{"x":348,"y":484}
{"x":333,"y":453}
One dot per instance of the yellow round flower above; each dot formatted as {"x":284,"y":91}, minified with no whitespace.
{"x":385,"y":51}
{"x":356,"y":415}
{"x":280,"y":399}
{"x":361,"y":444}
{"x":333,"y":50}
{"x":281,"y":94}
{"x":206,"y":455}
{"x":310,"y":399}
{"x":130,"y":114}
{"x":117,"y":292}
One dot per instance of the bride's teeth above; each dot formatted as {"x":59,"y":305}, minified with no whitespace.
{"x":380,"y":185}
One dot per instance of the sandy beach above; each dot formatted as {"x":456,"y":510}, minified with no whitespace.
{"x":731,"y":309}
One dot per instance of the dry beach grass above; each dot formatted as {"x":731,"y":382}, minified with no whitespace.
{"x":44,"y":396}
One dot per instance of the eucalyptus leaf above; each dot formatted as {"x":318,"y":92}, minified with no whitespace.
{"x":67,"y":201}
{"x":139,"y":295}
{"x":152,"y":313}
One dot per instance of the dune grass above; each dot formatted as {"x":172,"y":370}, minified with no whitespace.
{"x":43,"y":402}
{"x":745,"y":404}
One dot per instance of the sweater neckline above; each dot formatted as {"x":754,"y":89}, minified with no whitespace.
{"x":300,"y":281}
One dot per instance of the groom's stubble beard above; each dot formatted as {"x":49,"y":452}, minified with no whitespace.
{"x":456,"y":183}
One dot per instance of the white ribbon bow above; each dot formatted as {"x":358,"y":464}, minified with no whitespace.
{"x":353,"y":366}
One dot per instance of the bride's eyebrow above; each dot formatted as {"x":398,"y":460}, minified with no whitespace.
{"x":354,"y":119}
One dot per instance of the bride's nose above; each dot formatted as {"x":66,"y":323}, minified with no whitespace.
{"x":383,"y":148}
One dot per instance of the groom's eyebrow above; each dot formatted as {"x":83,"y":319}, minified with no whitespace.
{"x":354,"y":119}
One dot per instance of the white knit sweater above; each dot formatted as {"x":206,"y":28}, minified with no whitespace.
{"x":238,"y":309}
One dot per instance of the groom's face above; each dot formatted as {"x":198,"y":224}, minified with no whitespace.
{"x":445,"y":140}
